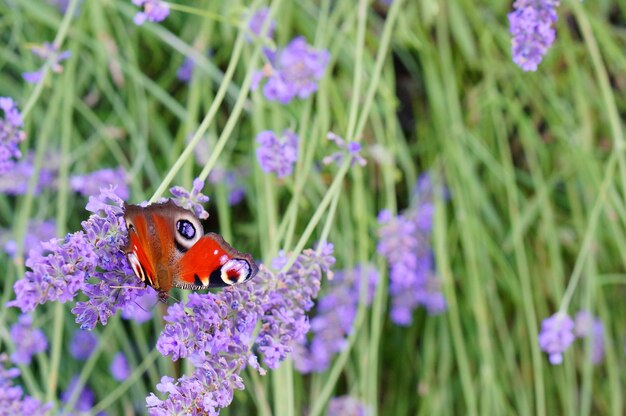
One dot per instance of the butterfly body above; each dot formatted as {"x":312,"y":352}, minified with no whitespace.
{"x":167,"y":248}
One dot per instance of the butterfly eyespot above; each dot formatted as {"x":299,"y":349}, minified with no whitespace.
{"x":235,"y":271}
{"x":186,"y":229}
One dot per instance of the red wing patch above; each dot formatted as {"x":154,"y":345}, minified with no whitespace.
{"x":212,"y":262}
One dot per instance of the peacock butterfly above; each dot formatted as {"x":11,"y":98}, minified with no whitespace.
{"x":167,"y":247}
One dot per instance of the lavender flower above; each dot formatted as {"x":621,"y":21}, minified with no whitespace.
{"x":257,"y":20}
{"x":350,"y":149}
{"x":15,"y":182}
{"x":86,"y":397}
{"x":185,"y":71}
{"x":232,"y":179}
{"x":532,"y":31}
{"x":12,"y":398}
{"x":347,"y":406}
{"x":292,"y":72}
{"x":140,"y":310}
{"x":11,"y":135}
{"x":191,"y":200}
{"x":556,"y":336}
{"x":82,"y":345}
{"x":276,"y":154}
{"x":216,"y":332}
{"x":153,"y":11}
{"x":405,"y":242}
{"x":91,"y":183}
{"x":50,"y":53}
{"x":334,"y":320}
{"x":119,"y":367}
{"x":586,"y":325}
{"x":28,"y":340}
{"x":37,"y":231}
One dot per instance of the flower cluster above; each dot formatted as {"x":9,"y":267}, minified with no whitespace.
{"x":216,"y":332}
{"x":277,"y":154}
{"x":16,"y":181}
{"x":258,"y":19}
{"x":11,"y":135}
{"x":153,"y":11}
{"x":50,"y":53}
{"x":36,"y":232}
{"x":232,"y":179}
{"x":292,"y":72}
{"x":86,"y":397}
{"x":347,"y":406}
{"x":334,"y":318}
{"x":28,"y":340}
{"x":90,"y":184}
{"x":351,"y":149}
{"x":120,"y":369}
{"x":532,"y":31}
{"x":192,"y":200}
{"x":12,"y":399}
{"x":405,"y":242}
{"x":559,"y":331}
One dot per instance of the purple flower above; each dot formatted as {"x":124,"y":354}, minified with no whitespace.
{"x":256,"y":21}
{"x":347,"y":406}
{"x":185,"y":71}
{"x":50,"y":53}
{"x":119,"y":367}
{"x":335,"y":315}
{"x":28,"y":340}
{"x":532,"y":31}
{"x":82,"y":345}
{"x":216,"y":332}
{"x":12,"y":398}
{"x":11,"y":135}
{"x":153,"y":11}
{"x":140,"y":310}
{"x":232,"y":179}
{"x":404,"y":240}
{"x":556,"y":336}
{"x":37,"y":232}
{"x":16,"y":181}
{"x":91,"y":183}
{"x":350,"y":149}
{"x":586,"y":325}
{"x":191,"y":200}
{"x":86,"y":397}
{"x":276,"y":154}
{"x":292,"y":72}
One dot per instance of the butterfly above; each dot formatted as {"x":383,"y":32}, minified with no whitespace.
{"x":167,"y":248}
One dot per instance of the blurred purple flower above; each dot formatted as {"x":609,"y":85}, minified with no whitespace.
{"x":216,"y":332}
{"x":531,"y":27}
{"x":50,"y":53}
{"x":587,"y":325}
{"x":90,"y":183}
{"x":191,"y":200}
{"x":86,"y":397}
{"x":11,"y":135}
{"x":140,"y":310}
{"x":347,"y":406}
{"x":28,"y":340}
{"x":276,"y":154}
{"x":256,"y":21}
{"x":232,"y":179}
{"x":153,"y":11}
{"x":12,"y":398}
{"x":404,"y":240}
{"x":556,"y":336}
{"x":334,"y":318}
{"x":119,"y":367}
{"x":16,"y":181}
{"x":62,"y":5}
{"x":37,"y":231}
{"x":82,"y":345}
{"x":350,"y":149}
{"x":292,"y":72}
{"x":185,"y":71}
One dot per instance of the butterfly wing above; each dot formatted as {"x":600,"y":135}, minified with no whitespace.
{"x":138,"y":249}
{"x":212,"y":262}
